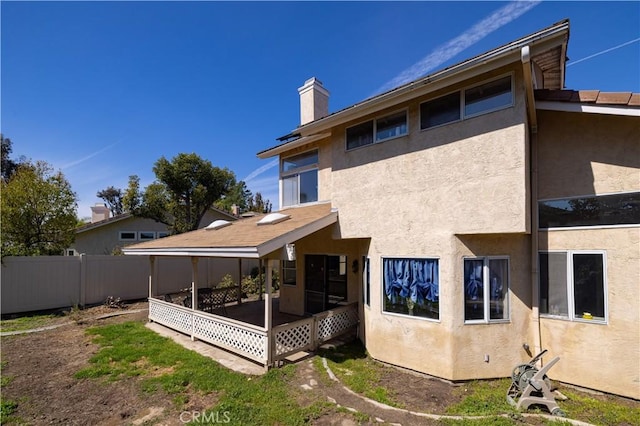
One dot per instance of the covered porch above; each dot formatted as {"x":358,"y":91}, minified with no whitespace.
{"x":254,"y":329}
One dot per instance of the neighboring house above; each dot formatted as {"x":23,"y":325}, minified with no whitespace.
{"x":108,"y":235}
{"x":478,"y":215}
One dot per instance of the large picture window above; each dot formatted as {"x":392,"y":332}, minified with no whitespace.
{"x":299,"y":175}
{"x":411,"y":287}
{"x":573,"y":285}
{"x":486,"y":289}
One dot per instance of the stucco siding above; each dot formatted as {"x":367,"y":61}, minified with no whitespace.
{"x":595,"y":355}
{"x":586,"y":154}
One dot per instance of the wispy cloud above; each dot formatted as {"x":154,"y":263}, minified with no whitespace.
{"x":271,"y":164}
{"x":602,"y":52}
{"x":443,"y":53}
{"x":88,"y":157}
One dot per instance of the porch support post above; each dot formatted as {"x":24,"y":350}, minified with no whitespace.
{"x":267,"y":311}
{"x":194,"y":293}
{"x":152,"y":273}
{"x":239,"y":281}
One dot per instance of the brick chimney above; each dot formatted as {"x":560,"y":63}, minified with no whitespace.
{"x":314,"y":101}
{"x":99,"y":212}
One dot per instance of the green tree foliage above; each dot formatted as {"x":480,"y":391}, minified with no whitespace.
{"x":238,"y":195}
{"x":38,"y":211}
{"x":258,"y":204}
{"x":113,"y":198}
{"x":7,"y":166}
{"x":186,"y":187}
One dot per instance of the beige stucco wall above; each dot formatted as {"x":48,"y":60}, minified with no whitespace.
{"x":594,"y":355}
{"x":586,"y":154}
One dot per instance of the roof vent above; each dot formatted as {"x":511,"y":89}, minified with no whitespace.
{"x":273,"y":218}
{"x":217,"y":224}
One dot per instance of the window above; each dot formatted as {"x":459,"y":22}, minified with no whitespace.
{"x":572,"y":285}
{"x":366,"y":281}
{"x":440,"y":111}
{"x":146,"y":235}
{"x":475,"y":100}
{"x":299,"y":176}
{"x":128,"y":236}
{"x":411,"y":287}
{"x":488,"y":97}
{"x":162,"y":234}
{"x":596,"y":210}
{"x":486,"y":289}
{"x":384,"y":128}
{"x":289,"y":272}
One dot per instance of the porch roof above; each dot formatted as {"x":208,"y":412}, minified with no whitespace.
{"x":243,"y":238}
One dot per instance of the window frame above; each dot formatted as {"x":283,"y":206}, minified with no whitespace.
{"x":295,"y":173}
{"x":152,"y":233}
{"x":288,"y":268}
{"x":366,"y":281}
{"x":577,"y":197}
{"x":383,"y":295}
{"x":374,"y":129}
{"x":571,"y":308}
{"x":461,"y":95}
{"x":134,"y":233}
{"x":486,"y":289}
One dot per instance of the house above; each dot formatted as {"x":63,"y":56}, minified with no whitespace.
{"x":107,"y":234}
{"x":476,"y":216}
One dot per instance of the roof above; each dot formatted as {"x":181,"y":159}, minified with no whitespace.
{"x":242,"y":238}
{"x":548,"y":51}
{"x":124,"y":216}
{"x":589,"y":101}
{"x":589,"y":97}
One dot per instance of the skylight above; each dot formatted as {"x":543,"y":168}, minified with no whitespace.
{"x":273,"y":218}
{"x":217,"y":224}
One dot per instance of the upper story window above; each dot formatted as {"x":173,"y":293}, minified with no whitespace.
{"x":127,"y":236}
{"x":595,"y":210}
{"x":299,"y":175}
{"x":480,"y":99}
{"x":378,"y":130}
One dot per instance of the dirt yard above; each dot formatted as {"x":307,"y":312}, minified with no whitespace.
{"x":42,"y":365}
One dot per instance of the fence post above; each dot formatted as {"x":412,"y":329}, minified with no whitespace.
{"x":83,"y":280}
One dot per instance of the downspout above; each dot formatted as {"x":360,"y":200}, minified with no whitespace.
{"x":533,"y":142}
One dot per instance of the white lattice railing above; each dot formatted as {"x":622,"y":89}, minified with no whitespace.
{"x":309,"y":333}
{"x":249,"y":340}
{"x":244,"y":339}
{"x":336,"y":321}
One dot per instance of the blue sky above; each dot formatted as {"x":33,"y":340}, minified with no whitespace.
{"x":101,"y":90}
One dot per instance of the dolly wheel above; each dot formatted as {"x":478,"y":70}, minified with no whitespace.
{"x":558,"y":412}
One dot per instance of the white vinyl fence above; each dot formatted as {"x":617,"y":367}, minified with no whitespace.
{"x":34,"y":283}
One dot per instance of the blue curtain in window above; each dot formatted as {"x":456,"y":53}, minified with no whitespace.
{"x":416,"y":279}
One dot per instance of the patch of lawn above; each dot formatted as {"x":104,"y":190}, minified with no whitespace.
{"x":483,"y":398}
{"x":130,"y":349}
{"x":6,"y":409}
{"x":27,"y":322}
{"x":356,"y":370}
{"x":600,"y":410}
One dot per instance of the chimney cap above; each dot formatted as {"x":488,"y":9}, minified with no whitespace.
{"x":313,"y":83}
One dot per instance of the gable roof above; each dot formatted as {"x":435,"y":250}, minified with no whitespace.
{"x":120,"y":217}
{"x":243,"y":238}
{"x":547,"y":49}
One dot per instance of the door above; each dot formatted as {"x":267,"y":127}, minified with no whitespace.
{"x":325,"y":282}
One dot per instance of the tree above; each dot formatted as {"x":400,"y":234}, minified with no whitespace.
{"x":7,"y":166}
{"x":186,"y":187}
{"x":257,"y":204}
{"x":113,"y":198}
{"x":238,"y":195}
{"x":38,"y":211}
